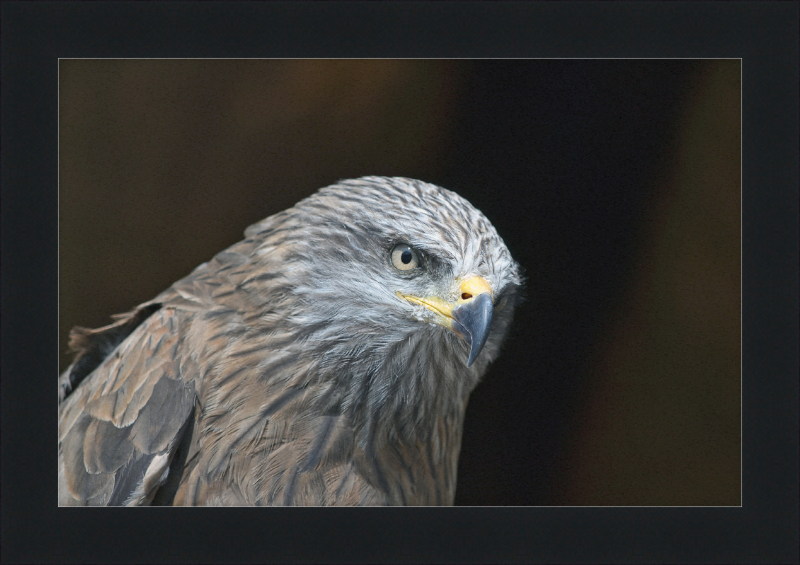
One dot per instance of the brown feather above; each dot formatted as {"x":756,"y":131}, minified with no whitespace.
{"x":255,"y":380}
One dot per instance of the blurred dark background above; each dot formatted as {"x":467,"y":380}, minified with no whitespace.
{"x":615,"y":183}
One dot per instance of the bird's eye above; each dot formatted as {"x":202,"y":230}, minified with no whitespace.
{"x":404,"y":257}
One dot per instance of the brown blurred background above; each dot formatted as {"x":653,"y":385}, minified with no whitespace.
{"x":614,"y":183}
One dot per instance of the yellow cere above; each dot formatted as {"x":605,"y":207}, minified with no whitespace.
{"x":470,"y":288}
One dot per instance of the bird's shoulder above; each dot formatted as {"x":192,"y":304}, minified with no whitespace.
{"x":126,"y":399}
{"x":119,"y":428}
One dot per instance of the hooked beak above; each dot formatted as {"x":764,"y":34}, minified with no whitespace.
{"x":472,"y":322}
{"x":470,"y":317}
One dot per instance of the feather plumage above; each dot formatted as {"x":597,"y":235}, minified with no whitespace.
{"x":287,"y":370}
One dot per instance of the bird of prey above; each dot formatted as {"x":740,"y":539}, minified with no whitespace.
{"x":327,"y":359}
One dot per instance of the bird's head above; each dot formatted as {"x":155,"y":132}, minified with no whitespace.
{"x":380,"y":262}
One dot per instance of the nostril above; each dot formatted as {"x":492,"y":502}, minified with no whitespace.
{"x":466,"y":296}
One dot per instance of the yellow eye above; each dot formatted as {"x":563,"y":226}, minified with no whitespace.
{"x":404,"y":257}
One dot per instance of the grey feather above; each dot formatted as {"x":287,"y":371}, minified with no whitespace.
{"x":288,"y":370}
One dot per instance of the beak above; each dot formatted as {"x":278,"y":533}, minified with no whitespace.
{"x":474,"y":319}
{"x":470,"y":317}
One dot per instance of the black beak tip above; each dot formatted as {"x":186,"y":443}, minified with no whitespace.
{"x":475,"y":319}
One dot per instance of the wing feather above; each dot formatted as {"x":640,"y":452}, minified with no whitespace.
{"x":120,"y":428}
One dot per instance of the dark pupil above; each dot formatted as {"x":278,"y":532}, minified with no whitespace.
{"x":406,"y":257}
